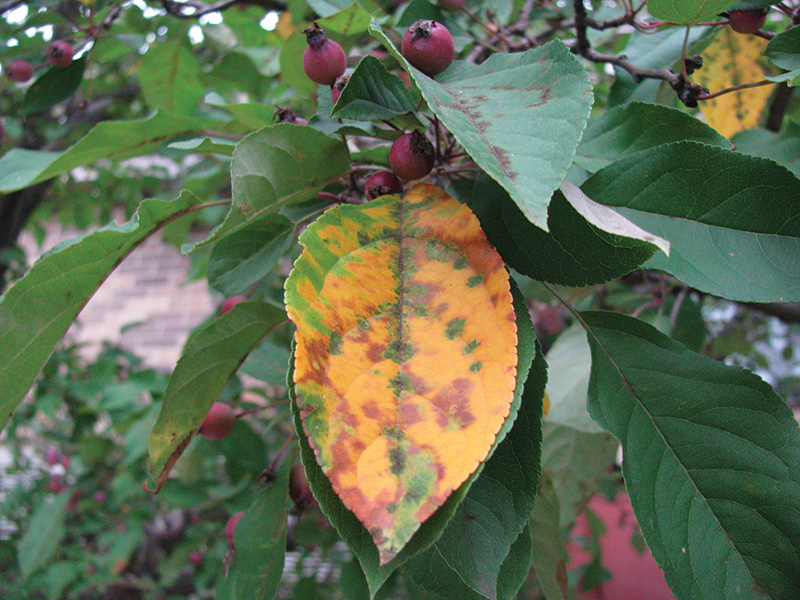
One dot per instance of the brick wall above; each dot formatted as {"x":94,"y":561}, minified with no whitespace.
{"x":146,"y":305}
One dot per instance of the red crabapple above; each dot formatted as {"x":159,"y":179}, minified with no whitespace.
{"x":218,"y":423}
{"x":19,"y":70}
{"x":428,"y":46}
{"x":747,"y":21}
{"x":323,"y":60}
{"x":229,"y":303}
{"x":338,"y":86}
{"x":411,"y":156}
{"x":381,"y":183}
{"x":230,"y":527}
{"x":299,"y":490}
{"x":60,"y":53}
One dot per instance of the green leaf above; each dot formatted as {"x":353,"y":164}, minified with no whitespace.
{"x":475,"y":546}
{"x":278,"y":166}
{"x":711,"y":462}
{"x":373,"y":93}
{"x":268,"y":361}
{"x":36,"y":312}
{"x":215,"y":145}
{"x":519,"y":116}
{"x":783,"y":147}
{"x":732,"y":220}
{"x":569,"y":359}
{"x":53,"y":86}
{"x":637,"y":126}
{"x":549,"y":557}
{"x":112,"y":140}
{"x":291,"y":62}
{"x":687,"y":12}
{"x":259,"y":540}
{"x":574,"y":252}
{"x":43,"y":536}
{"x":242,"y":259}
{"x":170,"y":78}
{"x":513,"y":573}
{"x":350,"y":528}
{"x":209,"y":360}
{"x":326,"y":8}
{"x":575,"y":462}
{"x":784,"y":52}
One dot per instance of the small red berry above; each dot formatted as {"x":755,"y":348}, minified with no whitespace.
{"x":747,"y":21}
{"x":229,"y":303}
{"x":195,"y":557}
{"x":56,"y":485}
{"x":19,"y":70}
{"x":299,"y":490}
{"x":52,"y":456}
{"x":286,"y":115}
{"x":218,"y":423}
{"x":428,"y":46}
{"x":60,"y":53}
{"x":338,"y":86}
{"x":382,"y":183}
{"x":230,"y":527}
{"x":411,"y":156}
{"x":100,"y":497}
{"x":323,"y":60}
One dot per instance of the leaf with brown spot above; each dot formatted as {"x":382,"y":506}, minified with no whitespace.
{"x":519,"y":116}
{"x":405,"y":356}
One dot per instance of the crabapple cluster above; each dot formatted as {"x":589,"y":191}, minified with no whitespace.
{"x":59,"y":54}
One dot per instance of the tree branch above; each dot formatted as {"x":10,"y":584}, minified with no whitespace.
{"x":194,"y":9}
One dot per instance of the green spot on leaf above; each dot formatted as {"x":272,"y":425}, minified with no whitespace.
{"x":474,"y":281}
{"x":455,"y":328}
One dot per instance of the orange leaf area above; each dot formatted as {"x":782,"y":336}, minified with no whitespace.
{"x":733,"y":59}
{"x":405,"y":356}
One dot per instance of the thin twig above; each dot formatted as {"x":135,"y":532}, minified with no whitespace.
{"x":735,"y":88}
{"x":193,"y":9}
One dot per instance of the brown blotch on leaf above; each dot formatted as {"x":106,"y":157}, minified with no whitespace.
{"x":453,"y":402}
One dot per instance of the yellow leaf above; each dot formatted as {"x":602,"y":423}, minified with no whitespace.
{"x":405,"y":356}
{"x":284,"y":27}
{"x":733,"y":59}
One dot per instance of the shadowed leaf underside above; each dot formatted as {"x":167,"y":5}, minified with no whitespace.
{"x":405,"y":355}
